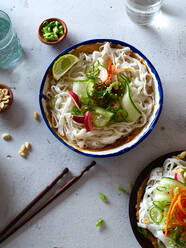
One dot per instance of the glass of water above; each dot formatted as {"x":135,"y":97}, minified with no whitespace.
{"x":10,"y":48}
{"x":143,"y":12}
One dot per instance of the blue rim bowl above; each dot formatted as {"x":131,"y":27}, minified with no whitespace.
{"x":146,"y":130}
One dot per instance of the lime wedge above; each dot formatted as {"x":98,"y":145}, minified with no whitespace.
{"x":63,"y":64}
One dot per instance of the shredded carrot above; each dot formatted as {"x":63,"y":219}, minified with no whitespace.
{"x":110,"y":71}
{"x":180,"y":205}
{"x":177,"y":210}
{"x":123,"y":69}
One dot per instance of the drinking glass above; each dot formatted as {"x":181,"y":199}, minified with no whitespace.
{"x":143,"y":12}
{"x":10,"y":48}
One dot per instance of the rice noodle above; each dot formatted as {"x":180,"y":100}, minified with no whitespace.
{"x":168,"y":170}
{"x":142,"y":92}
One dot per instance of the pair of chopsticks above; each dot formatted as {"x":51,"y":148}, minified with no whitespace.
{"x":12,"y":227}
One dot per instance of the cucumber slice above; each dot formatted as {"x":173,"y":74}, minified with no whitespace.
{"x":161,"y":204}
{"x":90,"y":88}
{"x":161,"y":199}
{"x":162,"y":195}
{"x":170,"y":182}
{"x":128,"y":104}
{"x":79,"y":87}
{"x":101,"y":117}
{"x":162,"y":189}
{"x":156,"y":215}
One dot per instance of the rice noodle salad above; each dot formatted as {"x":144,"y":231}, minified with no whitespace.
{"x":104,"y":97}
{"x":163,"y":208}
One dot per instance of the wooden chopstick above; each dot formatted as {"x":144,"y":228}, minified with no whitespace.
{"x":5,"y":234}
{"x":33,"y":202}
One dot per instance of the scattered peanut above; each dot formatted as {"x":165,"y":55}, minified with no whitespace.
{"x":27,"y":145}
{"x":4,"y":98}
{"x":6,"y":136}
{"x":182,"y":155}
{"x":36,"y":116}
{"x":145,"y":221}
{"x":24,"y":149}
{"x":180,"y":170}
{"x":22,"y":154}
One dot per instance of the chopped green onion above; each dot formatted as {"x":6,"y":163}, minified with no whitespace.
{"x":99,"y":223}
{"x":89,"y":106}
{"x":92,"y":72}
{"x":120,"y":115}
{"x":116,"y":88}
{"x":50,"y":36}
{"x":45,"y":24}
{"x":121,"y":189}
{"x":103,"y":197}
{"x":114,"y":107}
{"x":55,"y":30}
{"x":76,"y":111}
{"x":52,"y":30}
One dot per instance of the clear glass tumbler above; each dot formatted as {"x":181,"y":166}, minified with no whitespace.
{"x":10,"y":48}
{"x":143,"y":12}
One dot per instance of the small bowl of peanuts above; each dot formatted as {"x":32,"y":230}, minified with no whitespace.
{"x":6,"y":98}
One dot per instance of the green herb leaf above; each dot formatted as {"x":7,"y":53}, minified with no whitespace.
{"x":121,"y":189}
{"x":103,"y":197}
{"x":99,"y":223}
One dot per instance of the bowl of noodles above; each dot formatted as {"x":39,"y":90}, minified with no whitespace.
{"x":105,"y":102}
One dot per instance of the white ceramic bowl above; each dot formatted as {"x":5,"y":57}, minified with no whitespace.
{"x":140,"y":137}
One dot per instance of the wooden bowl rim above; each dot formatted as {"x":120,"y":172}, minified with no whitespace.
{"x":3,"y":86}
{"x":52,"y":42}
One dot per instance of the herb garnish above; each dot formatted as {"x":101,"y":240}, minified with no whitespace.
{"x":121,"y":189}
{"x":103,"y":197}
{"x":99,"y":223}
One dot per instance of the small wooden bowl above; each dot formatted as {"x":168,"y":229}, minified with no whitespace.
{"x":3,"y":86}
{"x":40,"y":34}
